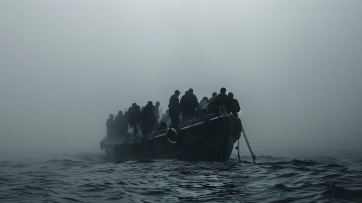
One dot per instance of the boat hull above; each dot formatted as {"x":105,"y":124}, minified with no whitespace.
{"x":208,"y":139}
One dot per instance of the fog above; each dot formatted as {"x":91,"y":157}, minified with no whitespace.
{"x":294,"y":66}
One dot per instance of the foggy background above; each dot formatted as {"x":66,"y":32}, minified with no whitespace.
{"x":294,"y":66}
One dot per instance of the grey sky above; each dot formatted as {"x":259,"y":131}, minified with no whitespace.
{"x":295,"y":67}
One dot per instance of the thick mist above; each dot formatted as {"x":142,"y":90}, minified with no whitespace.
{"x":294,"y":66}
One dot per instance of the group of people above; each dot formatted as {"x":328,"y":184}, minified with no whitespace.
{"x":147,"y":118}
{"x":188,"y":105}
{"x":135,"y":118}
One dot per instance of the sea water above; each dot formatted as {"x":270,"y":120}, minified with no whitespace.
{"x":96,"y":178}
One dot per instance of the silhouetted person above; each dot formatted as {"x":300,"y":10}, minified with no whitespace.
{"x":110,"y":125}
{"x":204,"y":103}
{"x":189,"y":105}
{"x":211,"y":106}
{"x":130,"y":114}
{"x":120,"y":124}
{"x":183,"y":104}
{"x":234,"y":105}
{"x":174,"y":107}
{"x":156,"y":110}
{"x":194,"y":102}
{"x":222,"y":99}
{"x":148,"y":118}
{"x":136,"y":119}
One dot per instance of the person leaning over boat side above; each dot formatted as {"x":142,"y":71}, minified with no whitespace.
{"x":174,"y":107}
{"x":222,"y":99}
{"x":234,"y":105}
{"x":110,"y":125}
{"x":148,"y":118}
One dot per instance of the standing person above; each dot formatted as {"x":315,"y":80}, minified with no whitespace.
{"x":156,"y":110}
{"x":110,"y":125}
{"x":120,"y":124}
{"x":189,"y":105}
{"x":116,"y":122}
{"x":148,"y":118}
{"x":130,"y":114}
{"x":136,"y":119}
{"x":211,"y":106}
{"x":234,"y":105}
{"x":194,"y":102}
{"x":183,"y":104}
{"x":174,"y":107}
{"x":222,"y":99}
{"x":213,"y":97}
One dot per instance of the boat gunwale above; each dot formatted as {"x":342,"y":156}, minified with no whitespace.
{"x":151,"y":136}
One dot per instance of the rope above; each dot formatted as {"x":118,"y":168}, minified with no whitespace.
{"x":188,"y":132}
{"x":247,"y":142}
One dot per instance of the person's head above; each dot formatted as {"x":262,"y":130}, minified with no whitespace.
{"x":177,"y":93}
{"x":150,"y":103}
{"x":223,"y":90}
{"x":120,"y":113}
{"x":214,"y":94}
{"x":191,"y":91}
{"x":157,"y":103}
{"x":231,"y":95}
{"x":134,"y":105}
{"x":205,"y":98}
{"x":111,"y":116}
{"x":163,"y":124}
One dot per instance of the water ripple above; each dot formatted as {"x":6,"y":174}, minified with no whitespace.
{"x":93,"y":178}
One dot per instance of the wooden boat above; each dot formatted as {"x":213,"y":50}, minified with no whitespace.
{"x":205,"y":138}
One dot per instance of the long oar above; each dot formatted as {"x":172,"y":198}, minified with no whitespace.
{"x":247,"y":142}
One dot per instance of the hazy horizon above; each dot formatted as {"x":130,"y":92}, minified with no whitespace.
{"x":294,"y":66}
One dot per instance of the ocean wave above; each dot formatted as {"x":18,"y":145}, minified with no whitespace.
{"x":87,"y":178}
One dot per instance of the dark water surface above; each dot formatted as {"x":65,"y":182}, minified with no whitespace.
{"x":94,"y":178}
